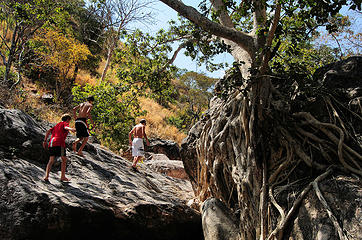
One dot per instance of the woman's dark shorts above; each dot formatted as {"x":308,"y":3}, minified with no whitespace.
{"x":57,"y":151}
{"x":81,"y":127}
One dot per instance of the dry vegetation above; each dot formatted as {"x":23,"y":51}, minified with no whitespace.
{"x":157,"y":125}
{"x":28,"y":99}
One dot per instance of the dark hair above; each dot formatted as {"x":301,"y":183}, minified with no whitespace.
{"x":66,"y":117}
{"x":143,"y":121}
{"x":90,"y":98}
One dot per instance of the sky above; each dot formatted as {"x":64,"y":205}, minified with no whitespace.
{"x":162,"y":15}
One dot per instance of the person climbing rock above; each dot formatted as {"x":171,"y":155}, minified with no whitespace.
{"x":138,"y":132}
{"x":57,"y":145}
{"x":84,"y":112}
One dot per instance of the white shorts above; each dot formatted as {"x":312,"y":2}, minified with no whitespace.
{"x":137,"y":147}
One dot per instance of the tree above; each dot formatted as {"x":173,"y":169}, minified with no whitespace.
{"x":345,"y":41}
{"x":114,"y":112}
{"x":193,"y":93}
{"x":118,"y":14}
{"x":88,"y":26}
{"x":246,"y":147}
{"x":62,"y":53}
{"x":143,"y":64}
{"x":20,"y":20}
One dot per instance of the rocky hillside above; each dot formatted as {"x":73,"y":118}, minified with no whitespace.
{"x":103,"y":200}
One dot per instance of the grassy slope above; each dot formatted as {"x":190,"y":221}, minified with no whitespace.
{"x":29,"y":100}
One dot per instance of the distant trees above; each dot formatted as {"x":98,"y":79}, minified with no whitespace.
{"x":193,"y":93}
{"x":19,"y":21}
{"x":63,"y":53}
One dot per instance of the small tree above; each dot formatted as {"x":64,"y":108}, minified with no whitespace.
{"x":20,"y":20}
{"x":62,"y":52}
{"x":118,"y":14}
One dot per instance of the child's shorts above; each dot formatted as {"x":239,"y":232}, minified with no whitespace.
{"x":57,"y":151}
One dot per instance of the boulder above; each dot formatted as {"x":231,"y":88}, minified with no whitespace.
{"x":104,"y":199}
{"x":161,"y":163}
{"x":343,"y":196}
{"x":188,"y":146}
{"x":342,"y":74}
{"x":167,"y":147}
{"x":218,"y":222}
{"x":47,"y":98}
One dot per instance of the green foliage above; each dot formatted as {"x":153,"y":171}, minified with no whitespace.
{"x":183,"y":120}
{"x":296,"y":54}
{"x":114,"y":111}
{"x":143,"y":66}
{"x":12,"y":75}
{"x":192,"y":95}
{"x":20,"y":20}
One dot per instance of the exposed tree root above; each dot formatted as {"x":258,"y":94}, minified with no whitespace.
{"x":329,"y":211}
{"x":232,"y":158}
{"x":277,"y":233}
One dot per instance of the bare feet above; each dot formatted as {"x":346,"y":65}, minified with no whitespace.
{"x":46,"y":179}
{"x":74,"y":147}
{"x":64,"y":179}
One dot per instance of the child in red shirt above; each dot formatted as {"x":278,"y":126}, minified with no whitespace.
{"x":57,"y":145}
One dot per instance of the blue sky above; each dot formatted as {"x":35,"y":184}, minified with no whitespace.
{"x":162,"y":15}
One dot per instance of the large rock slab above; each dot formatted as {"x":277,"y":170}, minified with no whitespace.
{"x":103,"y":200}
{"x":161,"y":163}
{"x":343,"y":196}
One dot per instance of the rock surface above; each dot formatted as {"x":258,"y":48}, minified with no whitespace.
{"x":103,"y":200}
{"x":344,"y":197}
{"x":167,"y":147}
{"x":161,"y":163}
{"x":188,"y":146}
{"x":218,"y":222}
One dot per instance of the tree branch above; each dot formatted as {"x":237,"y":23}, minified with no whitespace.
{"x":244,"y":40}
{"x":224,"y":16}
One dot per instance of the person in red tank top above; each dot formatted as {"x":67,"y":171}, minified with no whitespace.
{"x":57,"y":145}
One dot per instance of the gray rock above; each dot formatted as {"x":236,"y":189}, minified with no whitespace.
{"x":188,"y":146}
{"x":218,"y":222}
{"x":167,"y":147}
{"x":344,"y":197}
{"x":47,"y":98}
{"x":104,"y":199}
{"x":172,"y":168}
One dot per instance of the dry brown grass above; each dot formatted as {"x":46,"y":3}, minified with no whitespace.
{"x":84,"y":77}
{"x":157,"y":126}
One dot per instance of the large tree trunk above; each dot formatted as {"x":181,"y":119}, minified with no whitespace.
{"x":233,"y":153}
{"x":250,"y":146}
{"x":253,"y":142}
